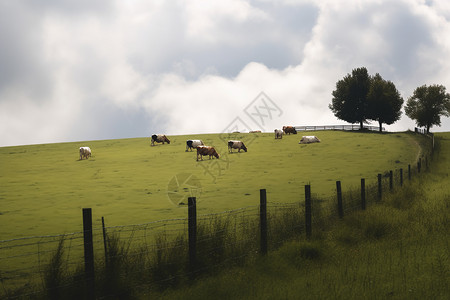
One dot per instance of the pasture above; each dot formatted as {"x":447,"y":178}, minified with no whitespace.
{"x":44,"y":187}
{"x":396,"y":249}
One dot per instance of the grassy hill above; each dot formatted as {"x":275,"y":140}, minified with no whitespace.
{"x":130,"y":182}
{"x":44,"y":187}
{"x":396,"y":249}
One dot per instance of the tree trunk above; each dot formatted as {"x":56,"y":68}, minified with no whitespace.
{"x":361,"y":126}
{"x":428,"y":128}
{"x":381,"y":125}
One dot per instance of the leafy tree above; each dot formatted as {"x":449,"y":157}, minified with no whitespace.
{"x":384,"y":100}
{"x":427,"y":105}
{"x":350,"y":97}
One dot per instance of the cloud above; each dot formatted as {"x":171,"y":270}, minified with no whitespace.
{"x":113,"y":69}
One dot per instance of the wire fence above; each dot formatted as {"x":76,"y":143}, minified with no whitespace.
{"x":160,"y":254}
{"x":338,"y":127}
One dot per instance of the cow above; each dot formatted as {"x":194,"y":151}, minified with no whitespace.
{"x":193,"y":144}
{"x":159,"y":138}
{"x":309,"y":139}
{"x":236,"y":145}
{"x":289,"y":130}
{"x":85,"y":152}
{"x":206,"y":150}
{"x":278,"y":134}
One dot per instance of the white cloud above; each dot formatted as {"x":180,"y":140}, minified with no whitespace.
{"x":208,"y":20}
{"x":119,"y":69}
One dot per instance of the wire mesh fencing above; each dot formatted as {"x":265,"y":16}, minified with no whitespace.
{"x":25,"y":262}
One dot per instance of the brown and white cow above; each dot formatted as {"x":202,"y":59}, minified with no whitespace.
{"x":278,"y":134}
{"x":193,"y":144}
{"x":289,"y":130}
{"x":236,"y":145}
{"x":85,"y":152}
{"x":159,"y":138}
{"x":206,"y":150}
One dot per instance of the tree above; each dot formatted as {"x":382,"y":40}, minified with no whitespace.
{"x":427,"y":105}
{"x":384,"y":101}
{"x":350,"y":97}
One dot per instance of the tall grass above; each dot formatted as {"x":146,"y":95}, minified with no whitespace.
{"x":225,"y":243}
{"x":229,"y":242}
{"x":388,"y":251}
{"x":54,"y":272}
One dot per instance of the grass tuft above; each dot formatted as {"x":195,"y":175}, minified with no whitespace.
{"x":311,"y":251}
{"x":54,"y":272}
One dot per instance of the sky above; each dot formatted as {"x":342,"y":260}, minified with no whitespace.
{"x":107,"y":69}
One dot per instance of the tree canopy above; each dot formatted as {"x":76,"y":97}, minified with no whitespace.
{"x":349,"y":101}
{"x":384,"y":101}
{"x":427,"y":105}
{"x":359,"y":97}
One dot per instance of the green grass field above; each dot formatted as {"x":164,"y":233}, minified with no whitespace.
{"x":44,"y":187}
{"x":396,"y":249}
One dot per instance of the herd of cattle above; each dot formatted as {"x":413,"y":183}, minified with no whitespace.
{"x":203,"y":150}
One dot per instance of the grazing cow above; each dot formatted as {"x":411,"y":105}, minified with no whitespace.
{"x":159,"y":138}
{"x":289,"y":130}
{"x":309,"y":139}
{"x":236,"y":145}
{"x":190,"y":144}
{"x":85,"y":152}
{"x":278,"y":134}
{"x":206,"y":150}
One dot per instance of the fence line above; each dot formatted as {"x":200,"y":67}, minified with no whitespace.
{"x":337,"y":127}
{"x":355,"y":128}
{"x":232,"y":235}
{"x":273,"y":209}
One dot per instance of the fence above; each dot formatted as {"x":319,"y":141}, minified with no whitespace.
{"x":338,"y":127}
{"x":355,"y":128}
{"x":166,"y":252}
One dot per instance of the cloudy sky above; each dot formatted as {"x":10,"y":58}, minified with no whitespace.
{"x":88,"y":70}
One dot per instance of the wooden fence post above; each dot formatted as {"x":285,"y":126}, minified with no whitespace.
{"x":379,"y":187}
{"x":105,"y":245}
{"x":401,"y":177}
{"x":363,"y":194}
{"x":339,"y":199}
{"x":391,"y":180}
{"x":192,"y":233}
{"x":88,"y":253}
{"x":308,"y":213}
{"x":263,"y":220}
{"x":409,"y":172}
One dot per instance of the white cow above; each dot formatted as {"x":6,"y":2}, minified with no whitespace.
{"x":193,"y":144}
{"x":308,"y":139}
{"x":85,"y":152}
{"x":278,"y":134}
